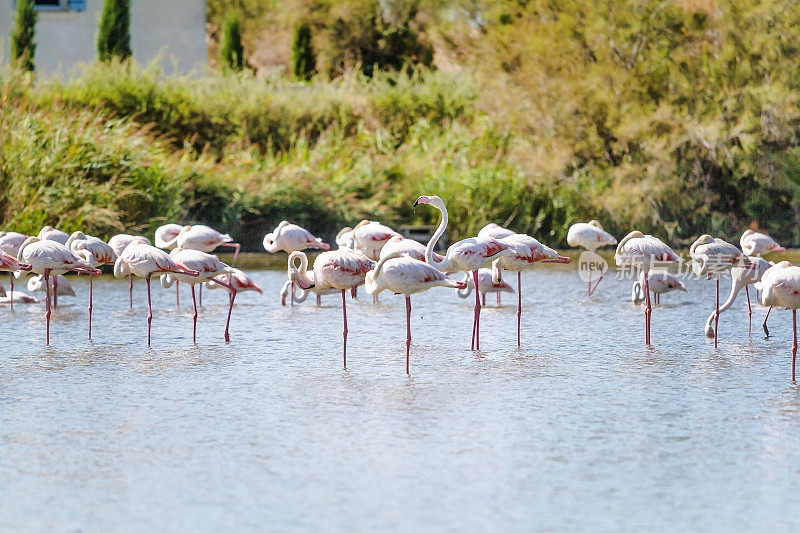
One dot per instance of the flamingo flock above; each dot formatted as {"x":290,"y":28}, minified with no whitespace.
{"x":381,"y":259}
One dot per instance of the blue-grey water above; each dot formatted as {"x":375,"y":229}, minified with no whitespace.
{"x":583,"y":428}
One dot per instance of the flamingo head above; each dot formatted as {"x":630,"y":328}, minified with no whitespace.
{"x":435,"y":201}
{"x":595,"y":224}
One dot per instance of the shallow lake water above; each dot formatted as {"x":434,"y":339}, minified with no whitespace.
{"x":582,"y":428}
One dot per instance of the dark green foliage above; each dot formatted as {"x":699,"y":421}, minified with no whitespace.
{"x":23,"y":47}
{"x":114,"y":34}
{"x":304,"y":61}
{"x":231,"y":49}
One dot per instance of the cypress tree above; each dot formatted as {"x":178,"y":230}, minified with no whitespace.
{"x":114,"y":35}
{"x":22,"y":45}
{"x":304,"y":62}
{"x":231,"y":50}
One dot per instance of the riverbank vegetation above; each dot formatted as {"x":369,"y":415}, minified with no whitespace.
{"x":677,"y":118}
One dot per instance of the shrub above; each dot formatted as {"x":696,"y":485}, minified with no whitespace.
{"x":114,"y":35}
{"x":23,"y":46}
{"x":231,"y":50}
{"x":304,"y":61}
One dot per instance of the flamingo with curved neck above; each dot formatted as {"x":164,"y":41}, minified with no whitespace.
{"x":741,"y":277}
{"x":468,"y":255}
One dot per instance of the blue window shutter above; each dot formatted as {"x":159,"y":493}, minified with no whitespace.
{"x":77,"y":5}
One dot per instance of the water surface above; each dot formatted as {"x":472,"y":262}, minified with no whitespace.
{"x":582,"y":428}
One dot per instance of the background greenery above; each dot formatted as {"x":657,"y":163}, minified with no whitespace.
{"x":676,"y":117}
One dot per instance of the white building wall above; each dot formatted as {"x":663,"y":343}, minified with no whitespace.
{"x":175,"y":30}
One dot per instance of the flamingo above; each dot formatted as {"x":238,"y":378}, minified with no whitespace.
{"x":528,"y":252}
{"x":207,"y":268}
{"x":344,"y":239}
{"x":290,"y":238}
{"x":754,"y":243}
{"x":10,"y":241}
{"x":166,"y":237}
{"x":10,"y":264}
{"x":715,"y":256}
{"x":741,"y":276}
{"x":399,"y":245}
{"x":48,"y":257}
{"x":335,"y":269}
{"x":494,"y":231}
{"x":239,"y":280}
{"x":780,"y":285}
{"x":641,"y":251}
{"x":119,"y":243}
{"x":405,"y":275}
{"x":19,"y":298}
{"x":590,"y":235}
{"x":661,"y":282}
{"x":485,"y":284}
{"x":369,"y":237}
{"x":95,"y":252}
{"x":466,"y":255}
{"x":49,"y":233}
{"x":143,"y":260}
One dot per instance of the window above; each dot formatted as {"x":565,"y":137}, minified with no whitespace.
{"x":59,"y":5}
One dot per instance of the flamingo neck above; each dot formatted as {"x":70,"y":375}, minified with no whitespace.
{"x":429,"y":255}
{"x":300,"y":274}
{"x":737,"y":283}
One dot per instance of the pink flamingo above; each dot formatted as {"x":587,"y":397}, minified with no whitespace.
{"x":10,"y":264}
{"x":143,"y":260}
{"x":95,"y":252}
{"x":399,"y":245}
{"x":468,"y":255}
{"x":406,"y":275}
{"x":118,"y":243}
{"x":641,"y":252}
{"x":60,"y":284}
{"x":239,"y":280}
{"x":780,"y":285}
{"x":590,"y":235}
{"x":661,"y":282}
{"x":369,"y":238}
{"x":528,"y":252}
{"x":715,"y":256}
{"x":300,"y":295}
{"x":49,"y":233}
{"x":741,"y":276}
{"x":494,"y":231}
{"x":50,"y":257}
{"x":344,"y":239}
{"x":208,"y":269}
{"x":166,"y":237}
{"x":485,"y":285}
{"x":10,"y":241}
{"x":335,"y":269}
{"x":758,"y":244}
{"x":290,"y":238}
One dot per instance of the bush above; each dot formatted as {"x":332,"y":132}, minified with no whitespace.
{"x":231,"y":50}
{"x":23,"y":46}
{"x":114,"y":35}
{"x":304,"y":62}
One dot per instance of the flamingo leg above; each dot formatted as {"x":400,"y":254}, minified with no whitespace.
{"x":483,"y":299}
{"x":344,"y":330}
{"x":47,"y":299}
{"x":230,"y":309}
{"x":374,"y":296}
{"x":130,"y":290}
{"x":354,"y":292}
{"x":764,"y":325}
{"x":11,"y":277}
{"x":55,"y":291}
{"x":177,"y":294}
{"x":596,"y":283}
{"x":476,"y":327}
{"x":149,"y":308}
{"x":648,"y":309}
{"x":716,"y":317}
{"x":589,"y":287}
{"x":408,"y":331}
{"x":237,"y":247}
{"x":794,"y":342}
{"x":749,"y":312}
{"x":519,"y":306}
{"x":319,"y":300}
{"x":498,"y":298}
{"x":194,"y":317}
{"x":201,"y":295}
{"x":291,"y":294}
{"x":90,"y":306}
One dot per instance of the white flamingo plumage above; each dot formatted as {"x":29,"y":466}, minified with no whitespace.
{"x":48,"y":257}
{"x":49,"y":233}
{"x":528,"y":252}
{"x":715,"y":256}
{"x":780,"y":286}
{"x":485,"y":285}
{"x":591,"y":236}
{"x":642,"y":252}
{"x":119,"y":242}
{"x":335,"y":269}
{"x":344,"y":239}
{"x":166,"y":237}
{"x":143,"y":260}
{"x":754,"y":243}
{"x":405,"y":275}
{"x":60,"y":284}
{"x":494,"y":231}
{"x":237,"y":279}
{"x":468,"y":255}
{"x":661,"y":282}
{"x":209,"y":268}
{"x":95,"y":252}
{"x":288,"y":237}
{"x":300,"y":295}
{"x":399,"y":245}
{"x":369,"y":237}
